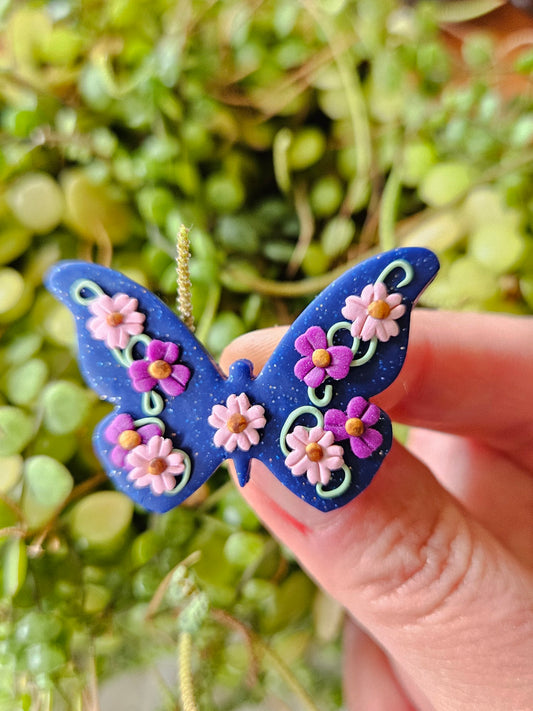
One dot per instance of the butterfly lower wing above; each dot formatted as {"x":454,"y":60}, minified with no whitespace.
{"x":157,"y":444}
{"x":325,"y":439}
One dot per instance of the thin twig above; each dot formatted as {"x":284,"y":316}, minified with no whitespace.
{"x":159,"y":594}
{"x":227,"y":620}
{"x":285,"y":673}
{"x":307,"y":228}
{"x":183,"y":299}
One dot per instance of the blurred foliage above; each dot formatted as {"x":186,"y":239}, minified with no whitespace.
{"x":295,"y":138}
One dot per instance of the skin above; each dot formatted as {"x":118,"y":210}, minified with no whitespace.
{"x":433,"y":561}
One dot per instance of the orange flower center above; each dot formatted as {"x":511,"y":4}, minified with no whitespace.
{"x":354,"y":427}
{"x":321,"y":358}
{"x":314,"y":451}
{"x":129,"y":439}
{"x":156,"y":466}
{"x":160,"y":369}
{"x":237,"y":423}
{"x":115,"y":318}
{"x":378,"y":309}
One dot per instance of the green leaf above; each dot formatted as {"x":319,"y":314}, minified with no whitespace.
{"x":48,"y":481}
{"x":24,"y":383}
{"x":10,"y":472}
{"x":101,"y":520}
{"x":16,"y":430}
{"x":65,"y":405}
{"x":337,"y":235}
{"x":14,"y":567}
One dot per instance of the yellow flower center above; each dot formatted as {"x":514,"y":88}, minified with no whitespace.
{"x":237,"y":423}
{"x":156,"y":466}
{"x":160,"y":369}
{"x":378,"y":309}
{"x":354,"y":427}
{"x":129,"y":439}
{"x":321,"y":358}
{"x":314,"y":451}
{"x":114,"y":319}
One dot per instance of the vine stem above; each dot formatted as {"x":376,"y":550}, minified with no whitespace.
{"x":183,"y":299}
{"x":185,"y":672}
{"x":285,"y":673}
{"x":387,"y":211}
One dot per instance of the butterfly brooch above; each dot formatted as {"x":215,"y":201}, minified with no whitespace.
{"x":307,"y":416}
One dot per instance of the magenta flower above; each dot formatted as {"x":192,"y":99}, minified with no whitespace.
{"x":374,"y":313}
{"x":125,"y":436}
{"x":314,"y":454}
{"x":237,"y":423}
{"x":356,"y":424}
{"x":160,"y":368}
{"x":155,"y":464}
{"x":115,"y":319}
{"x":320,"y":360}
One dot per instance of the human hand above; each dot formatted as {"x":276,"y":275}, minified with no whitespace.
{"x":433,"y":561}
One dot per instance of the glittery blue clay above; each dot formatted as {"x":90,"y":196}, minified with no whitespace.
{"x":307,"y":416}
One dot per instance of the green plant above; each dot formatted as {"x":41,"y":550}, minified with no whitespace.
{"x":295,"y":138}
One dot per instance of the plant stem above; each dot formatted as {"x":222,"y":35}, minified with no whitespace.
{"x":184,"y":302}
{"x":387,"y":211}
{"x":285,"y":673}
{"x":184,"y":672}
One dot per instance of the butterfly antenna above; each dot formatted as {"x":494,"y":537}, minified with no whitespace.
{"x":183,"y":298}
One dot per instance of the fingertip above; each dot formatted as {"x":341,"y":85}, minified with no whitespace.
{"x":256,"y":346}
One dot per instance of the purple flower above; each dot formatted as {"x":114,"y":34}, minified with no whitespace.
{"x":160,"y":368}
{"x":356,"y":424}
{"x":125,"y":436}
{"x":320,"y":360}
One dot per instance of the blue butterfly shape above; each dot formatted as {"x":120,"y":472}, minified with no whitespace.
{"x":307,"y":416}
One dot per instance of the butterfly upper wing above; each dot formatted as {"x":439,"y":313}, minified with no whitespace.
{"x":183,"y":417}
{"x":407,"y":272}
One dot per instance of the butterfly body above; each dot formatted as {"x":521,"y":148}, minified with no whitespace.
{"x":306,"y":416}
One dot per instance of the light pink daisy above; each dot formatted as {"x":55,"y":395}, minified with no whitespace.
{"x":237,"y":423}
{"x":115,"y":319}
{"x":155,"y":464}
{"x":374,"y":313}
{"x":314,"y":454}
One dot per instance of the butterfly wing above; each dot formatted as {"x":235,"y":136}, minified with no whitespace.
{"x":307,"y":415}
{"x":324,"y":439}
{"x":153,"y":445}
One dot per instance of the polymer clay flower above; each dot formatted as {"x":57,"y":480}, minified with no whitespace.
{"x":115,"y":319}
{"x":237,"y":423}
{"x":155,"y":464}
{"x":320,"y":360}
{"x":374,"y":313}
{"x":356,"y":424}
{"x":314,"y":454}
{"x":159,"y":367}
{"x":125,"y":436}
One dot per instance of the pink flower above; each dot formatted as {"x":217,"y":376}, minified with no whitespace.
{"x":314,"y":454}
{"x":356,"y":425}
{"x":160,"y":368}
{"x":320,"y":360}
{"x":115,"y":319}
{"x":237,"y":423}
{"x":125,"y":436}
{"x":155,"y":465}
{"x":374,"y":313}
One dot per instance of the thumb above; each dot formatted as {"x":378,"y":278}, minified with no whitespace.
{"x":411,"y":566}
